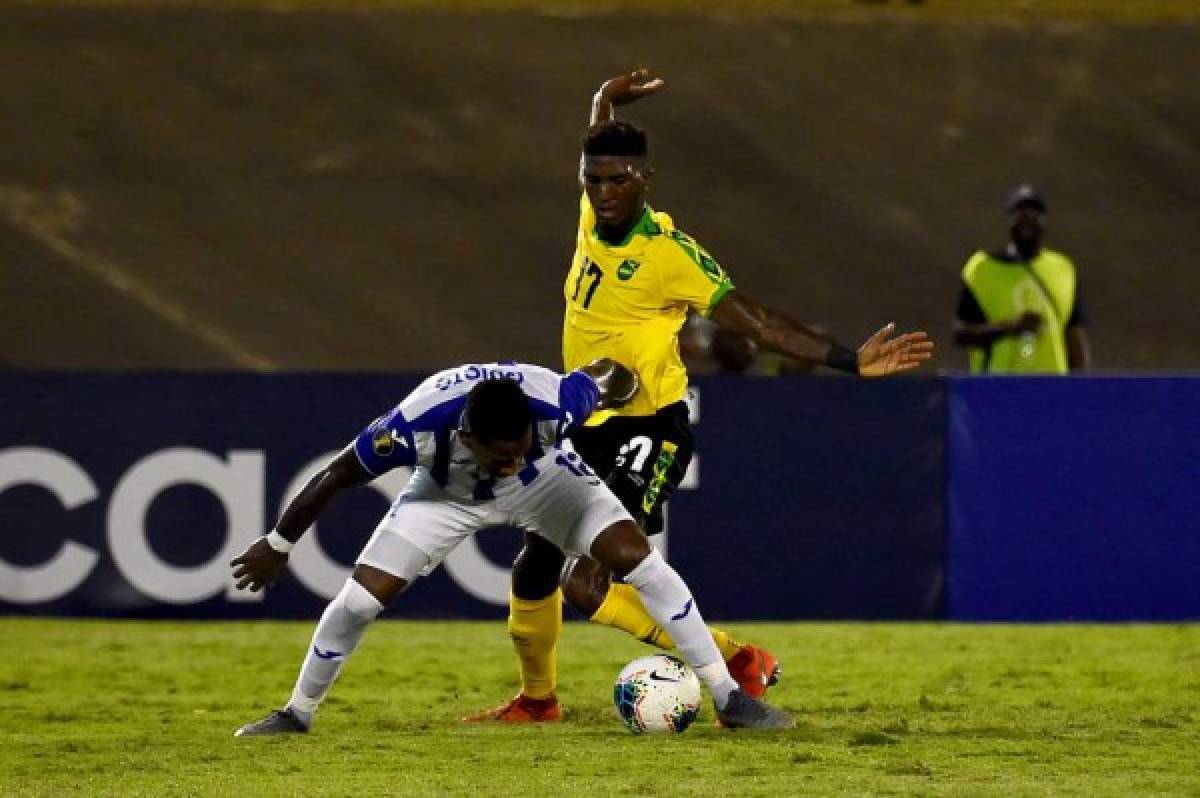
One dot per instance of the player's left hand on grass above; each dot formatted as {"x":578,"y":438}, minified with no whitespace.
{"x":882,"y":355}
{"x":258,"y":566}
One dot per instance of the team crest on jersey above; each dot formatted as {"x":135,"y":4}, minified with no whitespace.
{"x":627,"y":269}
{"x":382,"y":443}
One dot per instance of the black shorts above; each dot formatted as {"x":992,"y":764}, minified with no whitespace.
{"x":642,"y":458}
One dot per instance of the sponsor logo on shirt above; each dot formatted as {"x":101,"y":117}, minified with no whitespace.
{"x":473,"y":372}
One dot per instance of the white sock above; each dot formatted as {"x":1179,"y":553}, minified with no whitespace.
{"x":669,"y":602}
{"x":337,"y":635}
{"x":719,"y":682}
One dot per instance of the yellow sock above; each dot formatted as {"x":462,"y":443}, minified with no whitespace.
{"x":726,"y":644}
{"x":534,"y":626}
{"x":622,"y":608}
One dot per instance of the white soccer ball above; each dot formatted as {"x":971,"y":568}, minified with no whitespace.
{"x":657,"y":694}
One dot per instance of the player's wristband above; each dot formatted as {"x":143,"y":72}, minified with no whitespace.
{"x":278,"y":542}
{"x":842,"y":359}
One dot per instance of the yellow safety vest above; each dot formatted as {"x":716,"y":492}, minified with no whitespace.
{"x":1005,"y":289}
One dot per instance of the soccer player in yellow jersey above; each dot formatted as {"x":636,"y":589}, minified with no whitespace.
{"x":632,"y":282}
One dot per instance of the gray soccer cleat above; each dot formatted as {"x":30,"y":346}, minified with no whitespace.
{"x":280,"y":721}
{"x":744,"y":712}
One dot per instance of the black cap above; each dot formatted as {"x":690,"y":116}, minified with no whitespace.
{"x":1025,"y":194}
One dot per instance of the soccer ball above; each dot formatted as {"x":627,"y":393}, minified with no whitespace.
{"x":657,"y":694}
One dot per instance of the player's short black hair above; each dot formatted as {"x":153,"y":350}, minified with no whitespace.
{"x":615,"y":138}
{"x":497,"y":410}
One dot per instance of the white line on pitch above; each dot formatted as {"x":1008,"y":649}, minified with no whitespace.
{"x":42,"y":216}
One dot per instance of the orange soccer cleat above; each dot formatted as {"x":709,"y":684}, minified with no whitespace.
{"x":521,"y":709}
{"x":754,"y":669}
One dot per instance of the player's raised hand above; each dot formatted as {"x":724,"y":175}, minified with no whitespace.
{"x":882,"y":355}
{"x":258,"y":566}
{"x":635,"y":85}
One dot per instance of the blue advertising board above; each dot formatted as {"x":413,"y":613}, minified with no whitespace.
{"x":819,"y":498}
{"x":1074,"y":499}
{"x":126,"y":495}
{"x":964,"y":498}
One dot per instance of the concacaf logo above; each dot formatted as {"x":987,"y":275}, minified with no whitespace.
{"x":382,"y":442}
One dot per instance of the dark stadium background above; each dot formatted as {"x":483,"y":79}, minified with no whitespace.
{"x":315,"y":190}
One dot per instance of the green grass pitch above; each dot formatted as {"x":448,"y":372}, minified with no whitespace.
{"x":131,"y":708}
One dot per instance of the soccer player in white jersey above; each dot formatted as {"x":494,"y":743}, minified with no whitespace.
{"x":485,"y":444}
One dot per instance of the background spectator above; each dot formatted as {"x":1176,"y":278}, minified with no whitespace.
{"x":1020,"y":310}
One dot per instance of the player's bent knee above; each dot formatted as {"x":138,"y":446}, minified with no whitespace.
{"x":384,"y":587}
{"x":621,"y":547}
{"x":586,"y":585}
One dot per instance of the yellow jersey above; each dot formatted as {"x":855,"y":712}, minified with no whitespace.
{"x":627,"y":302}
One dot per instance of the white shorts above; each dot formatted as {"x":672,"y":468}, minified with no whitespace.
{"x":425,"y":523}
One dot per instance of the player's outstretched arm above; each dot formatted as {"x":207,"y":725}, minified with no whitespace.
{"x":879,"y":356}
{"x":617,"y":384}
{"x":263,"y":561}
{"x":622,"y":90}
{"x":770,"y":329}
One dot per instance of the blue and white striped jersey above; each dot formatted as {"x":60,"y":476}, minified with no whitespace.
{"x":421,"y":431}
